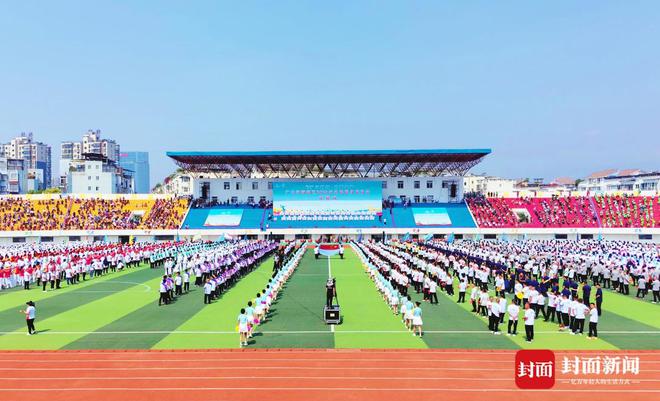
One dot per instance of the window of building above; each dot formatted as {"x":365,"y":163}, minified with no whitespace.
{"x":255,"y":185}
{"x":226,"y":186}
{"x":429,"y":184}
{"x":97,"y":178}
{"x":399,"y":184}
{"x":262,"y":199}
{"x":384,"y":184}
{"x":97,"y":188}
{"x":89,"y":188}
{"x":416,"y":184}
{"x":250,"y":199}
{"x":238,"y":186}
{"x":416,"y":199}
{"x":234,"y":199}
{"x":270,"y":185}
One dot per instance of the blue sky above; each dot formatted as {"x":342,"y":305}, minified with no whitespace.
{"x":555,"y":88}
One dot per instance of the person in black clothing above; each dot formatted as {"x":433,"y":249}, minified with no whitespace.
{"x":330,"y":292}
{"x":599,"y":299}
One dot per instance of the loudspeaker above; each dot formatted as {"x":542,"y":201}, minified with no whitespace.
{"x":452,"y":191}
{"x":331,"y":314}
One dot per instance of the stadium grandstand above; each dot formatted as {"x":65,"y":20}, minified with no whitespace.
{"x":304,"y":194}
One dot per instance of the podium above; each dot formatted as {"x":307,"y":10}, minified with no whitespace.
{"x":331,"y":314}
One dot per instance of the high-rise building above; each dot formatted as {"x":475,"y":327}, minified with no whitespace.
{"x":91,"y":144}
{"x":138,"y":163}
{"x":37,"y":160}
{"x":96,"y":174}
{"x":13,"y":177}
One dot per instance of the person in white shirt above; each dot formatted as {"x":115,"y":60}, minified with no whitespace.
{"x":529,"y":323}
{"x":593,"y":322}
{"x":580,"y":314}
{"x":502,"y":308}
{"x":655,"y":287}
{"x":30,"y":314}
{"x":462,"y":286}
{"x":474,"y":294}
{"x":513,"y":311}
{"x":494,"y":317}
{"x":433,"y":289}
{"x":641,"y":287}
{"x":163,"y":292}
{"x":178,"y":284}
{"x":186,"y":281}
{"x":207,"y":291}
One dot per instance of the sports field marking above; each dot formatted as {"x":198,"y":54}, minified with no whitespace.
{"x":365,"y":378}
{"x":348,"y":389}
{"x":314,"y":332}
{"x":258,"y":359}
{"x":146,"y":288}
{"x":316,"y":351}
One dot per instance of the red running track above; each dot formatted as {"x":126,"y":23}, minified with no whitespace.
{"x":295,"y":375}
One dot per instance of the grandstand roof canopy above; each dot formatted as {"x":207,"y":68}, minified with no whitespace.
{"x":333,"y":163}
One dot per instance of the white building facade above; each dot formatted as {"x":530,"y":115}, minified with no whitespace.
{"x":488,"y":186}
{"x":37,"y":160}
{"x":613,"y":181}
{"x":98,"y":176}
{"x":91,"y":143}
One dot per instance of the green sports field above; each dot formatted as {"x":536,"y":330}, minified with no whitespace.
{"x":120,"y":311}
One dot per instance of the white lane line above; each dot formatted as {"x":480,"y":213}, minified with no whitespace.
{"x":362,"y":378}
{"x":22,"y":332}
{"x":297,"y":351}
{"x":257,"y":359}
{"x":270,"y":367}
{"x":397,"y":378}
{"x":328,"y":389}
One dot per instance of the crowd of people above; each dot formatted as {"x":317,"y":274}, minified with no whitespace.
{"x":50,"y":266}
{"x":609,"y":211}
{"x":256,"y":310}
{"x":71,"y":213}
{"x":491,"y":212}
{"x":558,"y":281}
{"x":215,"y":267}
{"x":628,"y":211}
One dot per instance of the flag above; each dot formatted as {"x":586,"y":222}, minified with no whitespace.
{"x":329,"y":249}
{"x":428,"y":237}
{"x":450,"y":238}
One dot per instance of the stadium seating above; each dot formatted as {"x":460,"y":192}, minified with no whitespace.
{"x":68,"y":213}
{"x":556,"y":212}
{"x":628,"y":211}
{"x":491,"y":213}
